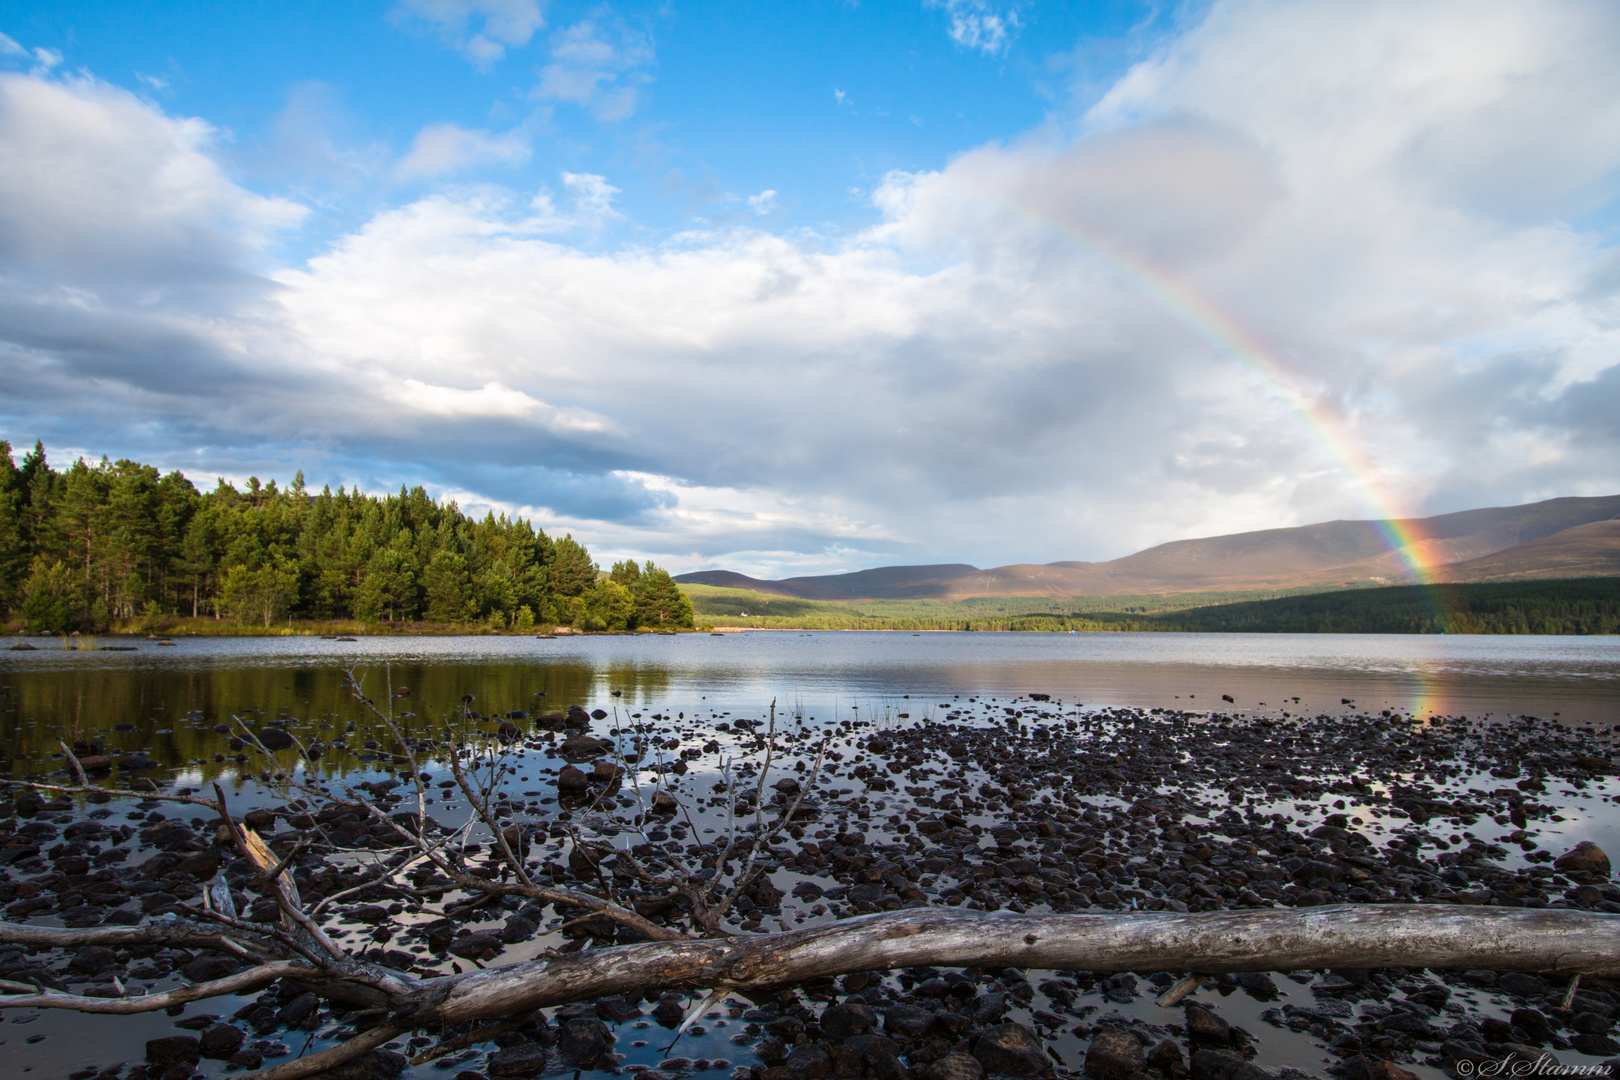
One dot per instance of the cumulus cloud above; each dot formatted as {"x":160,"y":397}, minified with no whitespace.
{"x":598,"y":64}
{"x":1298,"y":236}
{"x":482,"y":29}
{"x":979,"y":24}
{"x":444,"y":148}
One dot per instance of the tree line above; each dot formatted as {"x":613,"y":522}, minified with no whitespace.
{"x":96,"y":545}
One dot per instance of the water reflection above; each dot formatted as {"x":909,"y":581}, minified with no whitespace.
{"x":166,"y":703}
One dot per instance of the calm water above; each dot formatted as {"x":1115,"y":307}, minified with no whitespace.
{"x":823,"y":674}
{"x":165,"y":702}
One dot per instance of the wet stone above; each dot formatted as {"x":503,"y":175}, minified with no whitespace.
{"x":1586,"y":857}
{"x":1204,"y":1026}
{"x":1015,"y":1050}
{"x":845,"y":1021}
{"x":528,"y":1059}
{"x":809,"y":1061}
{"x":1114,"y":1054}
{"x":954,"y":1067}
{"x":474,"y":946}
{"x":583,"y":1041}
{"x":1225,"y":1065}
{"x":907,"y":1020}
{"x":221,"y":1040}
{"x":171,"y":1049}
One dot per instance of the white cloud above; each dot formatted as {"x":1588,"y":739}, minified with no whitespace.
{"x":9,"y":47}
{"x":764,"y":202}
{"x":1061,"y":347}
{"x":492,"y":400}
{"x":593,"y":195}
{"x":94,"y":181}
{"x":598,"y":64}
{"x":979,"y":24}
{"x":444,"y":148}
{"x":45,"y":59}
{"x":481,"y":29}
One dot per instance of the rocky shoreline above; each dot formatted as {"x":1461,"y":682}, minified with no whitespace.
{"x":1022,"y":805}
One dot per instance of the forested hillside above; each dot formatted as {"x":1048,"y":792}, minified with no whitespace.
{"x":98,"y":545}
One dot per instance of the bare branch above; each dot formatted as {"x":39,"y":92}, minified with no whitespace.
{"x":242,"y":981}
{"x":331,"y":1057}
{"x":78,"y":769}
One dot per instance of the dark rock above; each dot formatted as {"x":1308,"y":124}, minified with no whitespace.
{"x":1521,"y":985}
{"x":1585,"y":857}
{"x":201,"y":865}
{"x":845,"y":1021}
{"x":527,"y":1059}
{"x":92,"y":959}
{"x":616,"y":1010}
{"x":220,"y":1041}
{"x":571,"y":779}
{"x":1114,"y":1054}
{"x":810,"y":1061}
{"x":907,"y":1020}
{"x":1258,"y":984}
{"x":474,"y":946}
{"x":299,"y":1009}
{"x":207,"y":968}
{"x":582,"y":1041}
{"x":246,"y":1059}
{"x":1015,"y":1050}
{"x":170,"y":1049}
{"x":275,"y":738}
{"x":955,"y":1067}
{"x":260,"y":819}
{"x":1165,"y":1056}
{"x":1204,"y":1026}
{"x":518,"y":929}
{"x":136,"y":763}
{"x":1225,"y":1065}
{"x":1595,"y":1045}
{"x":1591,"y":1023}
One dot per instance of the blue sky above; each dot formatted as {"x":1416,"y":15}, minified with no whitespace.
{"x":691,"y":108}
{"x":815,"y":287}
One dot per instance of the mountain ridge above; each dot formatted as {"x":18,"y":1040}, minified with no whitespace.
{"x":1574,"y":535}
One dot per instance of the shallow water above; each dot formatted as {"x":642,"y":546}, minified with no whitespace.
{"x":828,"y":673}
{"x":169,"y":699}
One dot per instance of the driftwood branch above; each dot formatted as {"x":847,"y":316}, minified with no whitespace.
{"x":241,"y":982}
{"x":331,"y":1057}
{"x":1282,"y":939}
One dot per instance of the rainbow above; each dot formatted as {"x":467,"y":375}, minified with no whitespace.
{"x":1227,"y":337}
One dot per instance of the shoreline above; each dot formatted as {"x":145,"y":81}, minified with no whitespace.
{"x":1020,"y":806}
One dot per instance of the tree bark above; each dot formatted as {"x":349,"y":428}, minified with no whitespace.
{"x":1554,"y":941}
{"x":1551,"y":941}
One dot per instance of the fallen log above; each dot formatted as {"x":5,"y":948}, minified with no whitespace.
{"x":1560,"y":942}
{"x":1545,"y":941}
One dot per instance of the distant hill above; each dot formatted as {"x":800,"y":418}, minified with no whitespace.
{"x":1557,"y":538}
{"x":886,"y":582}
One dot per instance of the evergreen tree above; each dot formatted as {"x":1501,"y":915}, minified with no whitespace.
{"x":659,"y":601}
{"x":131,"y":542}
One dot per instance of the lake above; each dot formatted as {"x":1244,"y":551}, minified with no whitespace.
{"x":169,"y":703}
{"x":826,"y":674}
